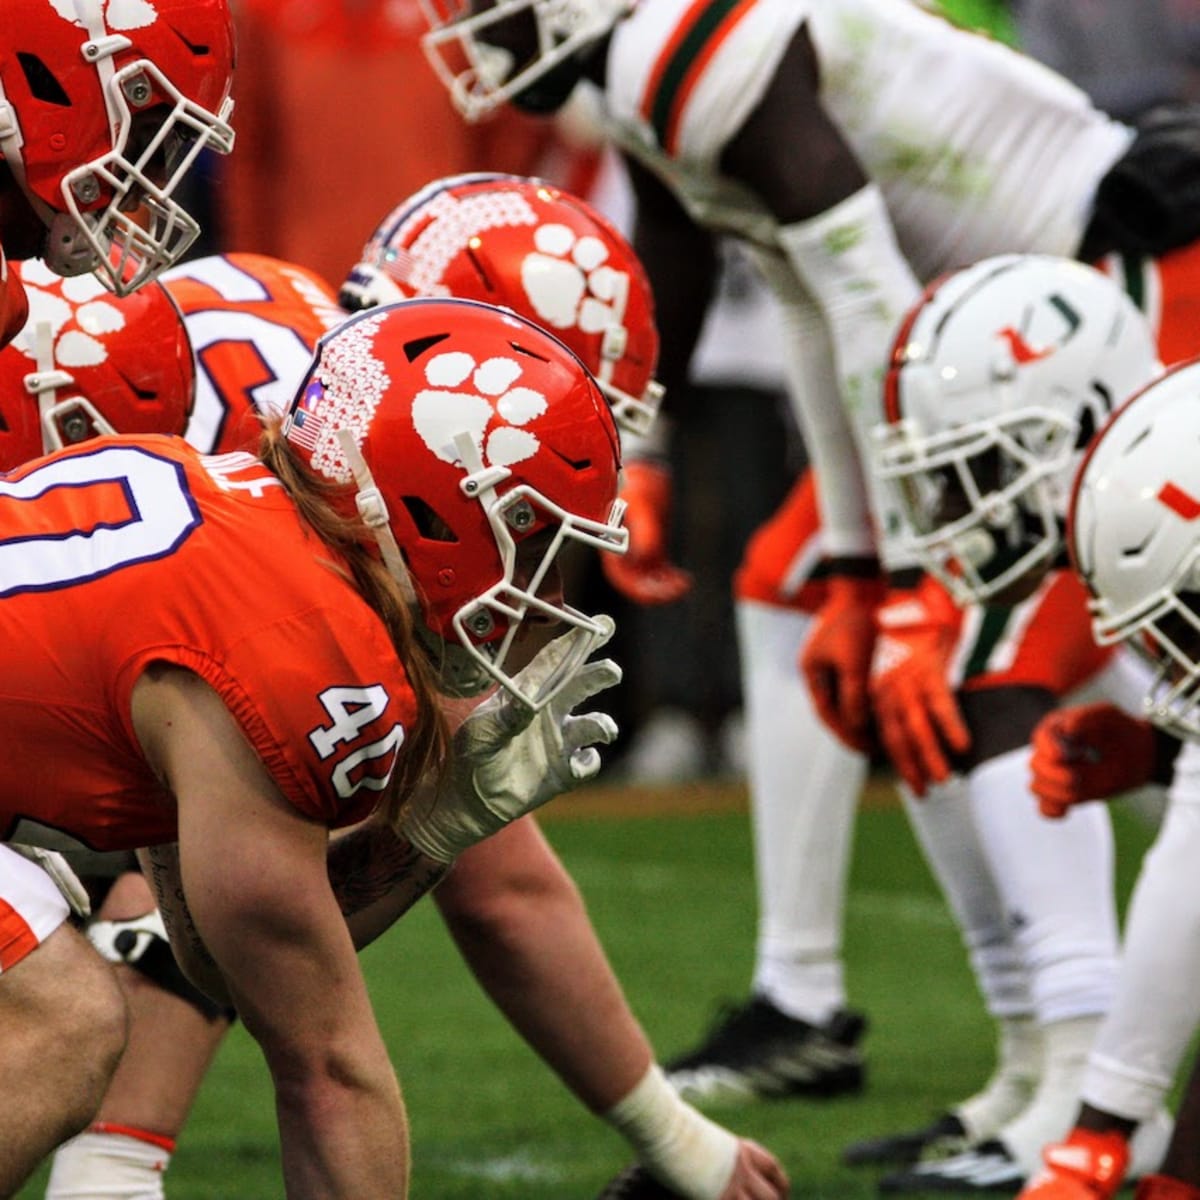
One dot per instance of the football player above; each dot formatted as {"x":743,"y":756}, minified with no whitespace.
{"x":173,"y":735}
{"x":541,"y":252}
{"x":1131,"y":537}
{"x":244,"y":329}
{"x":68,"y":376}
{"x":103,"y":109}
{"x":546,"y":254}
{"x":1000,"y":376}
{"x":918,"y":143}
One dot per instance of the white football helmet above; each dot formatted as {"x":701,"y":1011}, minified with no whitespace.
{"x":521,"y":50}
{"x":999,"y":378}
{"x":1133,"y":533}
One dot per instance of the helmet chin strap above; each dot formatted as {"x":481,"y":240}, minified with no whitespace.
{"x":374,"y":511}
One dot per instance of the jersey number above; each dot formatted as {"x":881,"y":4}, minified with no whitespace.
{"x":351,"y":710}
{"x":137,"y":508}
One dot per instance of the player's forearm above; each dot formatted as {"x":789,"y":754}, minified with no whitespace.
{"x":377,"y":876}
{"x":848,"y":259}
{"x":342,"y":1127}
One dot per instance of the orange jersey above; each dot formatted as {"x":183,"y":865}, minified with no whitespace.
{"x":253,"y":322}
{"x":1045,"y":641}
{"x":14,"y":304}
{"x":125,"y":551}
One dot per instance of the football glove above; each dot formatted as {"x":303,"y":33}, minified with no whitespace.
{"x":60,"y":872}
{"x":916,"y":714}
{"x":836,"y":658}
{"x":644,"y":573}
{"x":1090,"y":752}
{"x":507,"y":760}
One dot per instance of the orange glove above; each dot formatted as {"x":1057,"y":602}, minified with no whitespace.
{"x":1090,"y":752}
{"x":915,"y":710}
{"x":643,"y":573}
{"x":836,"y":659}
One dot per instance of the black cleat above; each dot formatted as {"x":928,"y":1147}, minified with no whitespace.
{"x":987,"y":1167}
{"x":635,"y":1183}
{"x":756,"y":1052}
{"x":944,"y":1137}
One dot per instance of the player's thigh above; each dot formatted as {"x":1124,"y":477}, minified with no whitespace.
{"x":63,"y":999}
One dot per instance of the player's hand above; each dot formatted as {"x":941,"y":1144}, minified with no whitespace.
{"x":644,"y":573}
{"x":59,"y":870}
{"x":507,"y":760}
{"x":916,"y":714}
{"x":757,"y":1175}
{"x":1090,"y":752}
{"x":836,"y":658}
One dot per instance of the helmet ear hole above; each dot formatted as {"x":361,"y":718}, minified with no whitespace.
{"x":1087,"y":429}
{"x":429,"y":525}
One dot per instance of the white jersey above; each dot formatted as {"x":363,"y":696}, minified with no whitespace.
{"x":977,"y":149}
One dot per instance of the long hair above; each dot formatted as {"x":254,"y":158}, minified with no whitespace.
{"x":426,"y":745}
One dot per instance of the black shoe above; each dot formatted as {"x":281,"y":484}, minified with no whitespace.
{"x":635,"y":1183}
{"x":944,"y":1137}
{"x":757,"y":1052}
{"x":987,"y":1167}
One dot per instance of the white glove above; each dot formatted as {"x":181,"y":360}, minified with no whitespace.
{"x":507,"y":760}
{"x":59,"y":870}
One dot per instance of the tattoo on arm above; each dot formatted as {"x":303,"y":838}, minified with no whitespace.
{"x":161,"y":865}
{"x":369,"y":863}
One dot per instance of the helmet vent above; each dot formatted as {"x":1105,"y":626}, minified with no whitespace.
{"x":484,"y":278}
{"x":41,"y":80}
{"x":418,"y":346}
{"x":428,"y":523}
{"x":1137,"y":441}
{"x":199,"y":49}
{"x":145,"y":394}
{"x":576,"y":464}
{"x":519,"y":349}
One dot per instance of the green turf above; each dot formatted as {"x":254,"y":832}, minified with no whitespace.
{"x":673,"y":901}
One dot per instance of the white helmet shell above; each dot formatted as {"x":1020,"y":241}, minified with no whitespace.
{"x":999,"y":378}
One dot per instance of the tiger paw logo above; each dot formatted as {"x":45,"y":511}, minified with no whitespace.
{"x":120,"y":16}
{"x":569,"y":282}
{"x":79,"y":311}
{"x":484,"y":399}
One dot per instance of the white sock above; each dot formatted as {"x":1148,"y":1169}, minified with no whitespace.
{"x":804,"y":788}
{"x":110,"y":1163}
{"x":1052,"y":1111}
{"x":1012,"y":1083}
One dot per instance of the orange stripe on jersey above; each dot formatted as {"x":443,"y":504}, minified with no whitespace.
{"x":701,"y":32}
{"x":16,"y":938}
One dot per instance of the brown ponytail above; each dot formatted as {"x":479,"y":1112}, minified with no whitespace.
{"x":426,"y":744}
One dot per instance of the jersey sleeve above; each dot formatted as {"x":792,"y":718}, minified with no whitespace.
{"x":689,"y":75}
{"x":323,"y":700}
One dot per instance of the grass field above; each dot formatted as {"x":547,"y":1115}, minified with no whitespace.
{"x":670,"y":889}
